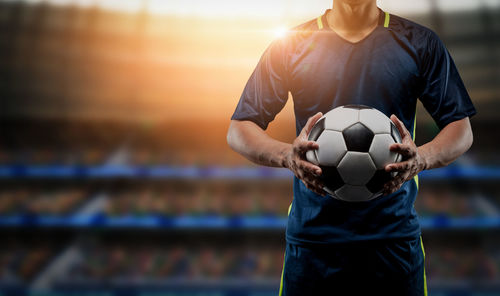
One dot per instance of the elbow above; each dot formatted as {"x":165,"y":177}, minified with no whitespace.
{"x":469,"y":138}
{"x":230,"y":137}
{"x":466,"y":137}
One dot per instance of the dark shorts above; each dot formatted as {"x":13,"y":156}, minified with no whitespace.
{"x":394,"y":267}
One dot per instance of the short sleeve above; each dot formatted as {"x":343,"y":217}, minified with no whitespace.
{"x":266,"y":91}
{"x":444,"y":95}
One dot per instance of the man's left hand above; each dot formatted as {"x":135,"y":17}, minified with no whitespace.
{"x":412,"y":162}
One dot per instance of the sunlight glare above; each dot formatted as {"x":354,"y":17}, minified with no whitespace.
{"x":279,"y":32}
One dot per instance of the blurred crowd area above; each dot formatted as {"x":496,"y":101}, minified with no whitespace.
{"x":156,"y":262}
{"x":113,"y":134}
{"x":210,"y":198}
{"x":98,"y":142}
{"x":20,"y":261}
{"x":41,"y":200}
{"x":193,"y":142}
{"x":110,"y":259}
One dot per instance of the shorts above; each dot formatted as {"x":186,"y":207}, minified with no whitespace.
{"x":392,"y":267}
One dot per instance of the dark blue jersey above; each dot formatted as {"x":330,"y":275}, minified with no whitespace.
{"x":396,"y":64}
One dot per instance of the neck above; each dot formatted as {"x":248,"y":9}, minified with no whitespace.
{"x":347,"y":16}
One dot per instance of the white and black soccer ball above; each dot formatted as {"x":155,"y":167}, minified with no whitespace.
{"x":353,"y":150}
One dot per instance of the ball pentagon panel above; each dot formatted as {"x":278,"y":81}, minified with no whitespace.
{"x":331,"y":179}
{"x":358,"y":137}
{"x":376,"y":183}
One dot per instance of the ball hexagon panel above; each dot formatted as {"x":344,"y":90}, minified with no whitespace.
{"x":358,"y":137}
{"x":353,"y":193}
{"x":356,"y":168}
{"x":375,"y":120}
{"x":331,"y":148}
{"x":376,"y":183}
{"x":397,"y":138}
{"x":395,"y":133}
{"x":379,"y":150}
{"x":331,"y":179}
{"x":332,"y":193}
{"x":317,"y":129}
{"x":340,"y":118}
{"x":311,"y":157}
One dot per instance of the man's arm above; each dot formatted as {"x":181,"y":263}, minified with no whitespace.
{"x":451,"y":142}
{"x":251,"y":141}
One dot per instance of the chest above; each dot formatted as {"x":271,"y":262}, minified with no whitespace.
{"x":378,"y":72}
{"x":328,"y":65}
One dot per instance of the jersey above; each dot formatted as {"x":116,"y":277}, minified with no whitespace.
{"x":398,"y":63}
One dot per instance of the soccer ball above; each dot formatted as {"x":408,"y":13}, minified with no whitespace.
{"x":353,"y":150}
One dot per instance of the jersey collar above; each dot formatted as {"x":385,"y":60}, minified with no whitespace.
{"x":322,"y":23}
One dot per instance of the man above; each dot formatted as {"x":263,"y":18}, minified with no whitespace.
{"x":354,"y":53}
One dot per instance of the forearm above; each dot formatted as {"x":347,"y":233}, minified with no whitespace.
{"x":249,"y":140}
{"x":451,"y":142}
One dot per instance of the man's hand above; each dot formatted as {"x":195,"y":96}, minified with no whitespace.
{"x":296,"y":158}
{"x":412,"y":163}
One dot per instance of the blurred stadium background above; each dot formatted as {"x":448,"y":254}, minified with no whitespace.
{"x":115,"y":176}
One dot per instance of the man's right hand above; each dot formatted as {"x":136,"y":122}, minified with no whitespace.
{"x":296,"y":160}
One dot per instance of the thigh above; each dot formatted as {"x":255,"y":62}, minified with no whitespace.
{"x":394,"y":267}
{"x":314,"y":271}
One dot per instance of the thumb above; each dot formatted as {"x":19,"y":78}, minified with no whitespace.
{"x":405,"y":134}
{"x":309,"y":124}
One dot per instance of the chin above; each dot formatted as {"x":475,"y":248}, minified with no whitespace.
{"x":356,"y":2}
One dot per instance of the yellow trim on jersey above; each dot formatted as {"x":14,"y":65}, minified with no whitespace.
{"x":414,"y":126}
{"x":425,"y":279}
{"x":320,"y":22}
{"x":282,"y":272}
{"x":289,"y":209}
{"x":386,"y":21}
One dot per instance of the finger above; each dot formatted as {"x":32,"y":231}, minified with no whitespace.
{"x":303,"y":146}
{"x":313,"y":180}
{"x":403,"y":166}
{"x":396,"y":183}
{"x":391,"y":188}
{"x":393,"y":185}
{"x":309,"y":124}
{"x":310,"y":168}
{"x":403,"y":149}
{"x":405,"y":134}
{"x":314,"y":188}
{"x":318,"y":187}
